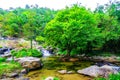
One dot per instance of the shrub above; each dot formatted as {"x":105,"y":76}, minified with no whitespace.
{"x":2,"y":59}
{"x":26,"y":52}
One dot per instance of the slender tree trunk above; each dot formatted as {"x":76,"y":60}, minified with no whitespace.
{"x":31,"y":46}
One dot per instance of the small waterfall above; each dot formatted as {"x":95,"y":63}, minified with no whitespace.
{"x":45,"y":52}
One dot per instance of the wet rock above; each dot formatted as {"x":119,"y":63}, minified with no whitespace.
{"x":102,"y":63}
{"x":6,"y":55}
{"x":95,"y":71}
{"x":65,"y":72}
{"x":70,"y":72}
{"x":23,"y":78}
{"x":12,"y":75}
{"x":24,"y":71}
{"x":29,"y":62}
{"x":62,"y":71}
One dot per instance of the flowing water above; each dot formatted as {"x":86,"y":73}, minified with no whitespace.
{"x":52,"y":65}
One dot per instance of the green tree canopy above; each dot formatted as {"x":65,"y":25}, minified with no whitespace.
{"x":72,"y":29}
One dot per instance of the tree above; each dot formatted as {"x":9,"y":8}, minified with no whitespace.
{"x":108,"y":23}
{"x":71,"y":29}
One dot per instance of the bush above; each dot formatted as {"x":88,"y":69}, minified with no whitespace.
{"x":26,"y":52}
{"x":2,"y":59}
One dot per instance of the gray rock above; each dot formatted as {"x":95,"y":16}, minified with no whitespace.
{"x":95,"y":71}
{"x":69,"y":72}
{"x":24,"y":71}
{"x":62,"y":71}
{"x":22,"y":78}
{"x":29,"y":62}
{"x":65,"y":72}
{"x":91,"y":71}
{"x":12,"y":75}
{"x":7,"y":79}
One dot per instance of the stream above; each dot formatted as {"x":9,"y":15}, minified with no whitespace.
{"x":52,"y":65}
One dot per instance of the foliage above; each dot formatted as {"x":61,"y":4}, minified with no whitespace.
{"x":108,"y":22}
{"x":25,"y":22}
{"x":26,"y":52}
{"x":111,"y":77}
{"x":9,"y":67}
{"x":2,"y":59}
{"x":71,"y":29}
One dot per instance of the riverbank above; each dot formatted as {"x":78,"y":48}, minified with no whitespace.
{"x":54,"y":64}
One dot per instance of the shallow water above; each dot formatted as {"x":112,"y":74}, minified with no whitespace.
{"x":52,"y":65}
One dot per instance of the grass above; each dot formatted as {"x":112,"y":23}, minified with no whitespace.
{"x":9,"y":67}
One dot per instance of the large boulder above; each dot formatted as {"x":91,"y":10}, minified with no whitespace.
{"x":95,"y":71}
{"x":30,"y":62}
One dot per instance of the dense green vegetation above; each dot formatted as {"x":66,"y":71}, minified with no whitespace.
{"x":2,"y":59}
{"x":9,"y":67}
{"x":111,"y":77}
{"x":78,"y":30}
{"x":26,"y":52}
{"x":26,"y":23}
{"x":70,"y":31}
{"x":73,"y":30}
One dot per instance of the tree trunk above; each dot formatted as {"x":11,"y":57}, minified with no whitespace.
{"x":31,"y":46}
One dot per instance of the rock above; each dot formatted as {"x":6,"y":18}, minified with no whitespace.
{"x":65,"y":72}
{"x":95,"y":71}
{"x":5,"y":50}
{"x":102,"y":63}
{"x":24,"y":71}
{"x":69,"y":72}
{"x":90,"y":71}
{"x":7,"y":79}
{"x":29,"y":62}
{"x":22,"y":78}
{"x":73,"y":59}
{"x":62,"y":71}
{"x":12,"y":75}
{"x":49,"y":78}
{"x":9,"y":59}
{"x":6,"y":55}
